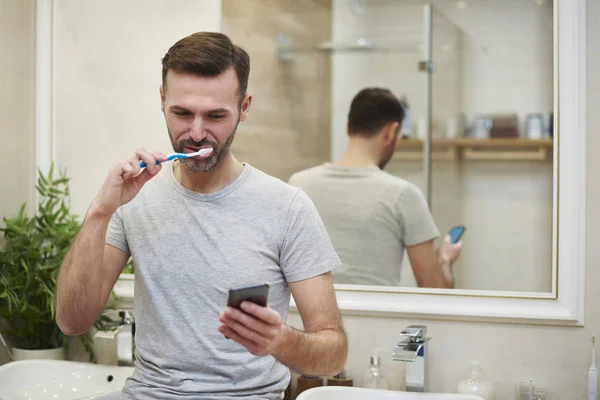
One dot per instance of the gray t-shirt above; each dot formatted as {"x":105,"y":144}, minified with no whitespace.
{"x":371,"y":216}
{"x":189,"y":249}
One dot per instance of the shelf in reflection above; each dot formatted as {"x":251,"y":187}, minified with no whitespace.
{"x":469,"y":149}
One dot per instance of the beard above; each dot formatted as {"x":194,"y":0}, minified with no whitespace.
{"x":206,"y":164}
{"x":389,"y":153}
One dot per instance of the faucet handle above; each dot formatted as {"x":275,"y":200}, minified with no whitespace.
{"x":413,"y":331}
{"x":126,"y":317}
{"x":415,"y":334}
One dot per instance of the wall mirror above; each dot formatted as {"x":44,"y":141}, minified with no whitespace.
{"x":496,"y":142}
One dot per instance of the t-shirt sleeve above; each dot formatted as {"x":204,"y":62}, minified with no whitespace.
{"x":115,"y":235}
{"x":306,"y":249}
{"x":416,"y":219}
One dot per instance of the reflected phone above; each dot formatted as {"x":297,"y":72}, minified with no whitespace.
{"x":456,"y":233}
{"x":258,"y":294}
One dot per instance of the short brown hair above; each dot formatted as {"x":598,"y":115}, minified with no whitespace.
{"x":208,"y":54}
{"x":372,"y":109}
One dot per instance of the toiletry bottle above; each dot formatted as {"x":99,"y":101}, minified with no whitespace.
{"x":476,"y":384}
{"x":374,"y":377}
{"x":406,"y":127}
{"x":340,"y":380}
{"x":525,"y":390}
{"x":305,"y":382}
{"x":593,"y":374}
{"x":539,"y":392}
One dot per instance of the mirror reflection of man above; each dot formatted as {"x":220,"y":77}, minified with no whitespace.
{"x":371,"y":215}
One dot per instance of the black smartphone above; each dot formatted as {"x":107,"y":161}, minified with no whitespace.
{"x":258,"y":294}
{"x":456,"y":233}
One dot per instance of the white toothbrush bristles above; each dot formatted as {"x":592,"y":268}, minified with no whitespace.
{"x":201,"y":152}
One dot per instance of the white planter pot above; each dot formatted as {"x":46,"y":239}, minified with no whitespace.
{"x":124,"y":289}
{"x":48,"y":354}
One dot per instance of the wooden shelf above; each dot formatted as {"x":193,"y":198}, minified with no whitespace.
{"x":500,"y":149}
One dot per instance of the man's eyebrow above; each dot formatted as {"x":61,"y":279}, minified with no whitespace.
{"x":218,"y":111}
{"x":178,"y":108}
{"x":214,"y":111}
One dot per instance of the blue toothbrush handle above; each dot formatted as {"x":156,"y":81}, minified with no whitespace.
{"x":143,"y":164}
{"x":171,"y":157}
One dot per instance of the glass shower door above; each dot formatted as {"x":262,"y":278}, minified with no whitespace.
{"x":410,"y":78}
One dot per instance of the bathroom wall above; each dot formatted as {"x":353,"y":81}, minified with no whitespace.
{"x":559,"y":356}
{"x":289,"y":121}
{"x":507,"y":55}
{"x":17,"y":106}
{"x":109,"y":72}
{"x":505,"y":205}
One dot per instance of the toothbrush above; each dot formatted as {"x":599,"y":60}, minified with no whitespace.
{"x":201,"y":152}
{"x":593,"y":374}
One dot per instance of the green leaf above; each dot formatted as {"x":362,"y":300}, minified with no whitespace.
{"x":51,"y":172}
{"x":42,"y":178}
{"x":25,"y":267}
{"x":22,"y":211}
{"x":61,"y":181}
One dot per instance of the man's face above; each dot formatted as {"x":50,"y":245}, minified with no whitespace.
{"x":202,"y":112}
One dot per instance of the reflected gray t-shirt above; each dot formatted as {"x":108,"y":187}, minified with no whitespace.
{"x":189,"y":249}
{"x":371,"y":216}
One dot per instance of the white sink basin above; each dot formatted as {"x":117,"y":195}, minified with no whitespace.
{"x":356,"y":393}
{"x":61,"y":380}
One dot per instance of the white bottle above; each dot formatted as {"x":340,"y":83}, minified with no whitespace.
{"x":406,"y":126}
{"x":374,"y":377}
{"x":593,"y":374}
{"x":476,"y":384}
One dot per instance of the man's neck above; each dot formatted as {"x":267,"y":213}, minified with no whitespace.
{"x":359,"y":154}
{"x":218,"y":178}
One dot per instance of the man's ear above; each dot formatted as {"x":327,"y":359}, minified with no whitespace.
{"x":245,"y":107}
{"x":390,"y":131}
{"x":162,"y":98}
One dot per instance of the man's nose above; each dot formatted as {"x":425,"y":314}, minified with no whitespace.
{"x":197,"y":132}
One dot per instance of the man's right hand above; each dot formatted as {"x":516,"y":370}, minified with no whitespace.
{"x":125,"y":179}
{"x":449,"y":252}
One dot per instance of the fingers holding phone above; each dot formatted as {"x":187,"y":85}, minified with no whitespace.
{"x":456,"y":232}
{"x":250,"y":321}
{"x":451,"y":246}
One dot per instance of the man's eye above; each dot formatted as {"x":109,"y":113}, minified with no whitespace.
{"x":216,"y":116}
{"x":181,"y":113}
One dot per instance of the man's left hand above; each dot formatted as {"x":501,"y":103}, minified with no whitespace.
{"x":257,"y":328}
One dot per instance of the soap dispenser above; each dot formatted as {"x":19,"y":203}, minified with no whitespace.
{"x":476,"y":384}
{"x":374,"y":377}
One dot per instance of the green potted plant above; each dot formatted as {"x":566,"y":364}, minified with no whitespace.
{"x":31,"y":253}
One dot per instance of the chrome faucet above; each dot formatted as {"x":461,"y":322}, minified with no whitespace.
{"x":126,"y":319}
{"x":413,"y":350}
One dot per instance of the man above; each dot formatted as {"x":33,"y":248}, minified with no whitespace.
{"x":195,"y":228}
{"x":372,"y":216}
